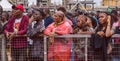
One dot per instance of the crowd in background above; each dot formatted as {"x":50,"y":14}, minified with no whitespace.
{"x":38,"y":21}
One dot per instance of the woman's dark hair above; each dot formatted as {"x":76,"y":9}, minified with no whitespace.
{"x":94,"y":22}
{"x":114,"y":12}
{"x":100,"y":25}
{"x":41,"y":12}
{"x":80,"y":12}
{"x":69,"y":15}
{"x":114,"y":15}
{"x":62,"y":9}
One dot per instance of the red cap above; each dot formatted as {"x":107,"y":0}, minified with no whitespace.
{"x":18,"y":6}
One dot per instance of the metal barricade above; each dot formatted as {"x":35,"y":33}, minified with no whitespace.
{"x":115,"y":54}
{"x":45,"y":48}
{"x":87,"y":50}
{"x":86,"y":38}
{"x":2,"y":48}
{"x":90,"y":57}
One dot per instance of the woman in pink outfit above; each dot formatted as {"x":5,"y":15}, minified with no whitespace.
{"x":59,"y":49}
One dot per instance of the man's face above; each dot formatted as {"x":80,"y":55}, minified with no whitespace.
{"x":36,"y":15}
{"x":45,"y":12}
{"x":16,"y":12}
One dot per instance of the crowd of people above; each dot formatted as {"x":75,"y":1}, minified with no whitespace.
{"x":38,"y":21}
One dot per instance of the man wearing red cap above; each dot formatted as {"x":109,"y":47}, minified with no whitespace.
{"x":17,"y":25}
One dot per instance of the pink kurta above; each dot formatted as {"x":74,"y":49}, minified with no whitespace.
{"x":59,"y":51}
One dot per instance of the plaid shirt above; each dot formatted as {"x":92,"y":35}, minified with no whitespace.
{"x":37,"y":48}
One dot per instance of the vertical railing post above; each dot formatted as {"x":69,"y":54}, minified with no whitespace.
{"x":3,"y":50}
{"x":86,"y":48}
{"x":45,"y":48}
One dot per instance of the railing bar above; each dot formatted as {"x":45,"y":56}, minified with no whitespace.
{"x":70,"y":36}
{"x":86,"y":36}
{"x":3,"y":50}
{"x":73,"y":36}
{"x":86,"y":49}
{"x":45,"y":48}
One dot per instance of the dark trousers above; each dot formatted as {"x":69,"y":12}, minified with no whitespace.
{"x":19,"y":54}
{"x":31,"y":58}
{"x":100,"y":55}
{"x":36,"y":59}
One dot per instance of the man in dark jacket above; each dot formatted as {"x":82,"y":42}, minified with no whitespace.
{"x":48,"y":18}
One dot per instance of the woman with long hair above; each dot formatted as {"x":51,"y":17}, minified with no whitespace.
{"x":102,"y":37}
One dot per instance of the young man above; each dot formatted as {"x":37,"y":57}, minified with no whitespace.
{"x":17,"y":25}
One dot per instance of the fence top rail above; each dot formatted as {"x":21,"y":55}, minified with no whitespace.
{"x":81,"y":36}
{"x":116,"y":35}
{"x":74,"y":36}
{"x":67,"y":36}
